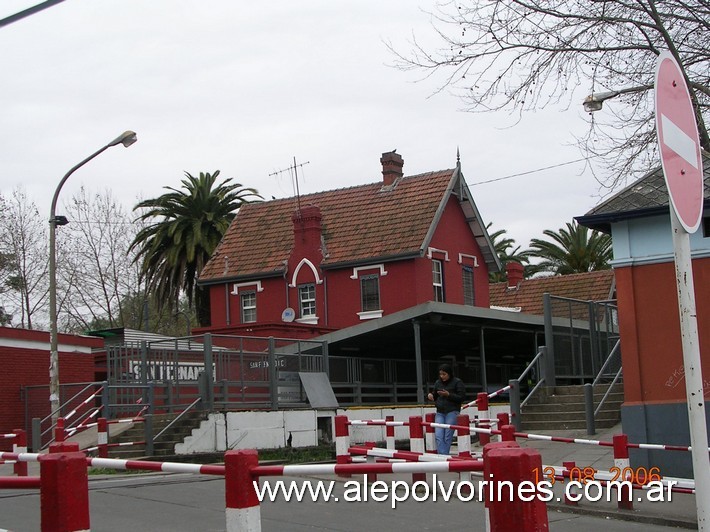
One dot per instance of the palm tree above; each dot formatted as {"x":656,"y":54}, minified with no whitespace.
{"x":575,"y":249}
{"x":184,"y":227}
{"x":502,"y":246}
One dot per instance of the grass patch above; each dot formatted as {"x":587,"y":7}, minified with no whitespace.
{"x":299,"y":455}
{"x":111,"y":471}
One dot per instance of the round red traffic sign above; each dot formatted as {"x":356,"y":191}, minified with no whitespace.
{"x":679,"y":143}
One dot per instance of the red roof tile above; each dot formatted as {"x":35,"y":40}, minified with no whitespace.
{"x":359,"y":223}
{"x":592,"y":286}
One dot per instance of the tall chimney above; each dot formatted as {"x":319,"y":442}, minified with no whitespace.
{"x":307,"y":225}
{"x":514,"y":271}
{"x":392,"y":164}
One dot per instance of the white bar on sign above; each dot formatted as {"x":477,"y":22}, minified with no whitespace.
{"x":677,"y":140}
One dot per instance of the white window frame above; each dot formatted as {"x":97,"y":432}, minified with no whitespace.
{"x":243,"y":309}
{"x":307,"y":305}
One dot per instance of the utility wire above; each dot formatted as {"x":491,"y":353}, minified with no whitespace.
{"x":529,"y":172}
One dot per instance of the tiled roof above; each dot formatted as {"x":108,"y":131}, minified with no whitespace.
{"x":358,"y":223}
{"x":592,"y":286}
{"x":644,"y":196}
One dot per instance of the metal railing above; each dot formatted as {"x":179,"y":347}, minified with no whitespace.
{"x":538,"y":363}
{"x":591,"y":412}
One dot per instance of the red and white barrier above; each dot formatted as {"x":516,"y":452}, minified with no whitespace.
{"x":389,"y":432}
{"x":429,"y":434}
{"x":342,"y":439}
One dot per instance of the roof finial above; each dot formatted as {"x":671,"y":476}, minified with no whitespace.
{"x":458,"y":156}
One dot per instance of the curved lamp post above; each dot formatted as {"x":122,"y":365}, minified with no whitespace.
{"x":127,"y":138}
{"x":594,"y":102}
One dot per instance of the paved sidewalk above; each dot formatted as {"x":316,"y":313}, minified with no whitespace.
{"x":680,"y":512}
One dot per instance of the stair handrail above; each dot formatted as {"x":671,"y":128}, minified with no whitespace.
{"x":533,"y":361}
{"x":177,"y":418}
{"x":515,"y":403}
{"x":613,"y":382}
{"x":606,"y":362}
{"x":539,"y":383}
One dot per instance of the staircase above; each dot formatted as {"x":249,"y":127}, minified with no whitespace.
{"x":165,"y":445}
{"x":562,"y":408}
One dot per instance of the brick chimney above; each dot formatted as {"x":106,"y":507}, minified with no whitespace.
{"x":514,"y":272}
{"x":307,"y":226}
{"x":392,"y":164}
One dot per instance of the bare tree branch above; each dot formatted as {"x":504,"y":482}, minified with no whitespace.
{"x":522,"y":55}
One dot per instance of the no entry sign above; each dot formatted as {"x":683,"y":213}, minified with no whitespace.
{"x":679,"y":143}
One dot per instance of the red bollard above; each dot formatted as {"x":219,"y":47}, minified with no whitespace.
{"x":429,"y":434}
{"x":242,"y":504}
{"x":621,"y":460}
{"x":416,"y":442}
{"x":510,"y":507}
{"x":20,"y":446}
{"x":59,"y":433}
{"x":342,"y":440}
{"x":389,"y":433}
{"x":102,"y":437}
{"x":569,"y":466}
{"x":463,"y":435}
{"x":482,"y":402}
{"x":507,"y":433}
{"x":487,"y":449}
{"x":64,"y":492}
{"x":503,"y":419}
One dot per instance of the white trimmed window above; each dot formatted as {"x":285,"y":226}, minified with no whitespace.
{"x":370,"y":292}
{"x":307,"y":300}
{"x":247,"y":301}
{"x":437,"y":270}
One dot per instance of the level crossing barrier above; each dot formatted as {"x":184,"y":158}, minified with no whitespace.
{"x":63,"y":482}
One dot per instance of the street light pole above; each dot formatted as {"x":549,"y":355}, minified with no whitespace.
{"x":127,"y":138}
{"x":594,"y":101}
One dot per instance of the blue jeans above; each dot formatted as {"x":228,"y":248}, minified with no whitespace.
{"x":444,"y":437}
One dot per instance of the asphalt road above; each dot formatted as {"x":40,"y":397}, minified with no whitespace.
{"x":185,"y":502}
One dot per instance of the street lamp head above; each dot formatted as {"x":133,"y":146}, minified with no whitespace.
{"x":126,"y":138}
{"x":594,"y":102}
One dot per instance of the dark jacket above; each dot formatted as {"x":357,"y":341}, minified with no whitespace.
{"x":457,"y":392}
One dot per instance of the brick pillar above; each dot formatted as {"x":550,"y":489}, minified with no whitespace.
{"x":64,"y":492}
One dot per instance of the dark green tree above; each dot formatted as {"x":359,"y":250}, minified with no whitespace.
{"x":507,"y":250}
{"x":183,"y":228}
{"x":574,"y":249}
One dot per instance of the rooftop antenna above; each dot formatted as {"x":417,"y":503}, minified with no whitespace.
{"x":295,"y":168}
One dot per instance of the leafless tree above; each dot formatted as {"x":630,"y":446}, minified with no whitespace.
{"x":96,"y":272}
{"x":521,"y":55}
{"x":23,"y":243}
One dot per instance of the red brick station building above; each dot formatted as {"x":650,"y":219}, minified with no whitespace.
{"x":339,"y":258}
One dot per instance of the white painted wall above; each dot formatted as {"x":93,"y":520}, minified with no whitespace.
{"x":271,"y":429}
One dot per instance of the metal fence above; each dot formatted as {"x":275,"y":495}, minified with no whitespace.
{"x":579,"y":336}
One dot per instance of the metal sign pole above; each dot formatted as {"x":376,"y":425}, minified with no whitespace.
{"x":693,"y":370}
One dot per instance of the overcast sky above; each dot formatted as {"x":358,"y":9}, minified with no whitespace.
{"x":244,"y":87}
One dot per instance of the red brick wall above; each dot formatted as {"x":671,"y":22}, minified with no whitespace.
{"x":24,"y":359}
{"x":650,"y":330}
